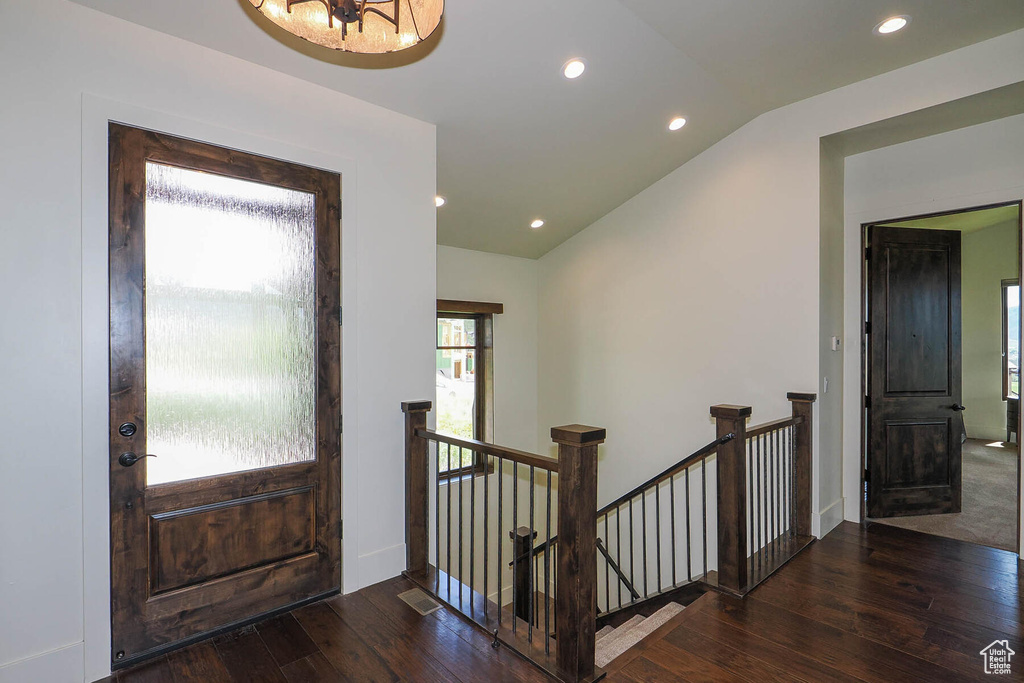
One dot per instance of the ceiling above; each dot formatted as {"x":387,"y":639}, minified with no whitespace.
{"x":964,"y":221}
{"x":517,"y":141}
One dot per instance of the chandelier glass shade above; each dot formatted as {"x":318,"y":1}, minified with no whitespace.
{"x":364,"y":26}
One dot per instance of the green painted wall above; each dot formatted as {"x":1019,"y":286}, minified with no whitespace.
{"x":989,"y":256}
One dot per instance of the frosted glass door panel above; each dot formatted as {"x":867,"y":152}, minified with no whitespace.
{"x":230,"y":325}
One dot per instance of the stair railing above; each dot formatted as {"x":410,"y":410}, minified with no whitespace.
{"x":749,"y":490}
{"x":764,"y":492}
{"x":451,"y":553}
{"x":654,"y":539}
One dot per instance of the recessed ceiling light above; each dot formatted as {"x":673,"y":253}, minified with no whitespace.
{"x":574,"y":68}
{"x":677,"y":123}
{"x":439,"y":201}
{"x":537,"y":223}
{"x":892,"y":24}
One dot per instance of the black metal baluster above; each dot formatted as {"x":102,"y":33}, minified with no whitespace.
{"x":515,"y":525}
{"x":770,"y":496}
{"x":760,"y":515}
{"x":618,"y":547}
{"x":792,"y":485}
{"x":461,"y":496}
{"x":750,"y":500}
{"x":689,"y":543}
{"x":472,"y":528}
{"x":657,"y":531}
{"x":448,"y":550}
{"x":437,"y":518}
{"x":632,"y":551}
{"x":547,"y":577}
{"x":486,"y":526}
{"x":499,"y":537}
{"x":776,"y":498}
{"x":704,"y":507}
{"x":533,"y":577}
{"x":672,"y":528}
{"x":607,"y":586}
{"x":643,"y":534}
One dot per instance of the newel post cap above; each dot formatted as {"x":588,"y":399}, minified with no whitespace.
{"x":416,"y":406}
{"x":728,"y":411}
{"x":798,"y":397}
{"x":578,"y":435}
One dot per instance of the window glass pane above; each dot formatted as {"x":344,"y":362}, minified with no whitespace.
{"x":456,"y":387}
{"x":1013,"y":340}
{"x":456,"y":332}
{"x":230,"y":324}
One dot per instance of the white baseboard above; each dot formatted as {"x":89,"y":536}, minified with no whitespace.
{"x":63,"y":665}
{"x":381,"y":564}
{"x":828,"y":519}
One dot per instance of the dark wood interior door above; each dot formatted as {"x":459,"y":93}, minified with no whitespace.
{"x":914,"y":418}
{"x":224,"y":365}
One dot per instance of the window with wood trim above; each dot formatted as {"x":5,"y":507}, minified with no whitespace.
{"x":1011,"y":339}
{"x":464,"y":379}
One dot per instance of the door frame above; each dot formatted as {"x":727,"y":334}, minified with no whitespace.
{"x":150,"y":618}
{"x":863,"y":410}
{"x":97,"y":113}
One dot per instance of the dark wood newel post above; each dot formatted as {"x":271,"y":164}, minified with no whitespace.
{"x":803,"y":406}
{"x":733,"y":574}
{"x":522,"y":571}
{"x":417,"y":497}
{"x":576,"y":598}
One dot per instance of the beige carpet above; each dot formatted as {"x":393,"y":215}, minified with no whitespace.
{"x":989,"y":509}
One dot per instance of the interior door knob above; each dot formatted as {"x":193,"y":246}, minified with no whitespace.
{"x":129,"y":459}
{"x":957,"y":407}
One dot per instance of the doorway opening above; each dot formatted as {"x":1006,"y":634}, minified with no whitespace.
{"x":940,"y":373}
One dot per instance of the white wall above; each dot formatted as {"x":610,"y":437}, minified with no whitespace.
{"x":68,"y":70}
{"x":467,"y":275}
{"x":704,"y":288}
{"x":973,"y":166}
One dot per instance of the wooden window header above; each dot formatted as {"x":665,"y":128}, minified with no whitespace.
{"x":452,"y":306}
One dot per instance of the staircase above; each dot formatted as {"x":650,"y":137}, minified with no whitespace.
{"x":588,"y":583}
{"x":612,"y":641}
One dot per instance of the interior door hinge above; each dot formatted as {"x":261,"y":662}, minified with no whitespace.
{"x":341,"y":424}
{"x":867,"y":401}
{"x":341,"y":529}
{"x":867,"y":327}
{"x":867,"y":253}
{"x":867,"y":475}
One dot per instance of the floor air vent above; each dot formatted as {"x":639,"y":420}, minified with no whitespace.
{"x":420,"y":601}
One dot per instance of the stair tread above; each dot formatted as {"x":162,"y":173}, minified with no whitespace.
{"x":605,"y":631}
{"x":632,"y":632}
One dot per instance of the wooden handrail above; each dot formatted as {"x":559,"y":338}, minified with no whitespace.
{"x":702,"y":452}
{"x":531,"y":459}
{"x":671,"y":471}
{"x":774,"y":425}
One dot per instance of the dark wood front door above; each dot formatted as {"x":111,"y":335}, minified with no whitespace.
{"x":915,"y":424}
{"x":224,"y":365}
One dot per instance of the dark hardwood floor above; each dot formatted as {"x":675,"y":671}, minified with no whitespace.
{"x":863,"y":604}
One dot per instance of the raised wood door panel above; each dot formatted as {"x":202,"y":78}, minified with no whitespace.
{"x":914,"y":372}
{"x":213,"y":543}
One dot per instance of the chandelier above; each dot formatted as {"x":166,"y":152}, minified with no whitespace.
{"x":366,"y":26}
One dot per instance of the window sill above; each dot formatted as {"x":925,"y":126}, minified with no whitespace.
{"x":462,"y":473}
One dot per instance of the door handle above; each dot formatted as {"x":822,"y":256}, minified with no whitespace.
{"x":129,"y":459}
{"x":957,"y":407}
